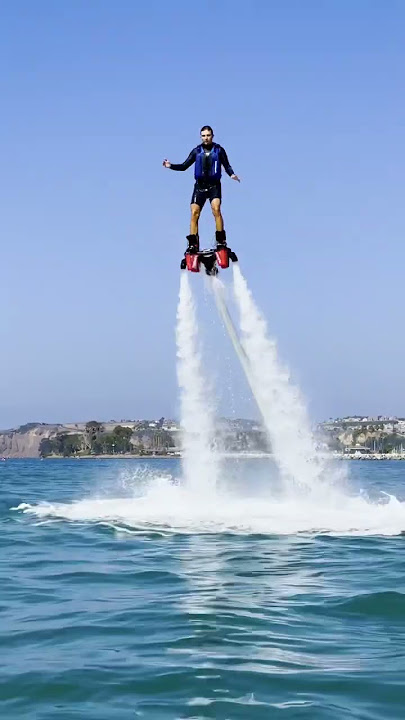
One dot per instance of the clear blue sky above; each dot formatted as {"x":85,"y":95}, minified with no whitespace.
{"x":308,"y":99}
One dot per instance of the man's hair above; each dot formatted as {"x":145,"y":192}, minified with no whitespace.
{"x":207,"y":127}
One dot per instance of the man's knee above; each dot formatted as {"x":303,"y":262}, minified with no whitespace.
{"x":216,"y":210}
{"x":195,"y":211}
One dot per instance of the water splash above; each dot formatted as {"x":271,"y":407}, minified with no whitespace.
{"x":284,"y":413}
{"x":200,"y":461}
{"x":169,"y":508}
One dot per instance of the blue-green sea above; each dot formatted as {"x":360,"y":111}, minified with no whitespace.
{"x":124,"y":595}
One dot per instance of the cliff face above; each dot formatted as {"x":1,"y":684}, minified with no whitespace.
{"x":25,"y":443}
{"x":350,"y":438}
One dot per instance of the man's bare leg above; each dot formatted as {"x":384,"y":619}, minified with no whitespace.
{"x":220,"y":235}
{"x":216,"y":211}
{"x":195,"y":215}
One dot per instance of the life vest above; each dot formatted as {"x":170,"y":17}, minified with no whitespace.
{"x":214,"y":173}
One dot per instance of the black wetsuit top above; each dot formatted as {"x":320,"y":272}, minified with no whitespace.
{"x":201,"y":182}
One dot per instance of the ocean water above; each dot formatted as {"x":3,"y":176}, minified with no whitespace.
{"x":123,"y":595}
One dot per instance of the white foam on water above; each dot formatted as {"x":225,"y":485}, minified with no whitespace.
{"x":167,"y":506}
{"x":174,"y":508}
{"x":200,"y":461}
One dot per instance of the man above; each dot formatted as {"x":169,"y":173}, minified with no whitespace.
{"x":208,"y":158}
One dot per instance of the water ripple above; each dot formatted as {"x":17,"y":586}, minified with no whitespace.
{"x":105,"y":620}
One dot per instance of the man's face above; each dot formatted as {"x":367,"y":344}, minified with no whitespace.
{"x":206,"y":137}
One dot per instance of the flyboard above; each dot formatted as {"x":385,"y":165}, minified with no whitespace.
{"x":211,"y":259}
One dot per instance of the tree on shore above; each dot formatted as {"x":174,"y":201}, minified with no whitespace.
{"x":62,"y":444}
{"x":117,"y":442}
{"x":91,"y":433}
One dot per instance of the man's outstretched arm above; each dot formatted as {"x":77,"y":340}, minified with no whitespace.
{"x":226,"y":165}
{"x":181,"y":166}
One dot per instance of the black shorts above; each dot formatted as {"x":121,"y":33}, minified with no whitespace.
{"x":202,"y":194}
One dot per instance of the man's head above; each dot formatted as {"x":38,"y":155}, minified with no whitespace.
{"x":207,"y":135}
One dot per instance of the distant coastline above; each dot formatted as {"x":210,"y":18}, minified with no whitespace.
{"x":372,"y":457}
{"x":126,"y":438}
{"x":353,"y":438}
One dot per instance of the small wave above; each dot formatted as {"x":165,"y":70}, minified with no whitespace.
{"x":389,"y":604}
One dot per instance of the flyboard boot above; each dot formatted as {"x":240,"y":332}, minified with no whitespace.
{"x":223,"y":253}
{"x":193,"y":244}
{"x":191,"y":260}
{"x":220,"y":239}
{"x":222,"y":250}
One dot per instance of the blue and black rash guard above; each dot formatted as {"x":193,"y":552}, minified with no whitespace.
{"x":206,"y":163}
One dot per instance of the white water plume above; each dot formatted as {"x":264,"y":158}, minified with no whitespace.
{"x":280,"y":402}
{"x":200,"y":461}
{"x":219,"y":297}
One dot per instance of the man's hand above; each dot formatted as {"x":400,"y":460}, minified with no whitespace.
{"x":167,"y":164}
{"x":233,"y":177}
